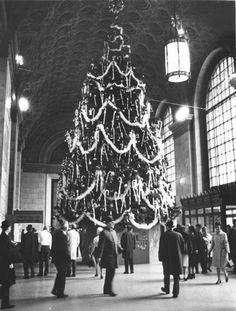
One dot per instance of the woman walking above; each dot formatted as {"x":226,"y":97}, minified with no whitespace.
{"x":220,"y":248}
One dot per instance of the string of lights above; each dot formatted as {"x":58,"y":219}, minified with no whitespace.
{"x":175,"y":104}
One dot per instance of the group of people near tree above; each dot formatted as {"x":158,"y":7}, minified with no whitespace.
{"x":181,"y":250}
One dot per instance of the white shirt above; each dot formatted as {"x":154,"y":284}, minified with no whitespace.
{"x":45,"y":238}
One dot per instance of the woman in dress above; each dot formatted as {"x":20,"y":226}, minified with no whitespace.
{"x":93,"y":253}
{"x":220,"y":248}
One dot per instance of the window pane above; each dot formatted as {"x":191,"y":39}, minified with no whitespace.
{"x":221,"y":125}
{"x":168,"y":143}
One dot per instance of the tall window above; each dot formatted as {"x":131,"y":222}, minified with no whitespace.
{"x":168,"y":142}
{"x":221,"y":125}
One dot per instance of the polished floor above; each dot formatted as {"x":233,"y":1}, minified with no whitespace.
{"x":138,"y":291}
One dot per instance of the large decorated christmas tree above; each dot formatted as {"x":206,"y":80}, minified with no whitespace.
{"x":115,"y":165}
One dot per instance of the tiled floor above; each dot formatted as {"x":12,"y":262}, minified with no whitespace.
{"x":138,"y":291}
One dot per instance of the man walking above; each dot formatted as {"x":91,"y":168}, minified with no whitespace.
{"x":108,"y":247}
{"x":170,"y":253}
{"x":45,"y":244}
{"x":128,"y":245}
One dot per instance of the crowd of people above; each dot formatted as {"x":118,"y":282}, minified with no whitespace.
{"x":182,"y":251}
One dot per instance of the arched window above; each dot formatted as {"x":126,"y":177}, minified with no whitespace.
{"x":168,"y":143}
{"x":221,"y":124}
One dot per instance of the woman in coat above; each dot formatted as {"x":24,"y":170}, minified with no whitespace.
{"x":220,"y":248}
{"x":7,"y":272}
{"x":73,"y":243}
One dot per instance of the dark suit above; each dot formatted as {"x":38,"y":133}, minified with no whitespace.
{"x":108,"y":250}
{"x":60,"y":258}
{"x":128,"y":245}
{"x":7,"y":275}
{"x":170,"y":253}
{"x":29,"y":250}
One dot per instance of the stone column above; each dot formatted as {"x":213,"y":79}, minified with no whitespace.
{"x":13,"y":159}
{"x":5,"y":134}
{"x":184,"y":169}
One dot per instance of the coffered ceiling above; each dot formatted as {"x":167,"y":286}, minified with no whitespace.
{"x":60,"y":39}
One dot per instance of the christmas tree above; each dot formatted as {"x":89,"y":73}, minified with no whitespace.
{"x":115,"y":163}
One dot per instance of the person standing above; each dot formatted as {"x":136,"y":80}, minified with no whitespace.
{"x":207,"y":237}
{"x":60,"y":255}
{"x":128,"y":245}
{"x":220,"y":248}
{"x":202,"y":250}
{"x":29,"y":251}
{"x":108,"y":247}
{"x":232,"y":244}
{"x":7,"y":272}
{"x":94,"y":252}
{"x":170,"y":254}
{"x":73,"y":243}
{"x":45,"y":244}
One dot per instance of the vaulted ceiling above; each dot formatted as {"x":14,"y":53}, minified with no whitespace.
{"x":60,"y":39}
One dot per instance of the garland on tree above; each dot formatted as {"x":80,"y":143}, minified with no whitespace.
{"x":116,"y":163}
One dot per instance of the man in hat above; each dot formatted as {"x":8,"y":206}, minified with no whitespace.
{"x":128,"y":245}
{"x":171,"y":248}
{"x":108,"y":247}
{"x":29,"y":251}
{"x":7,"y":272}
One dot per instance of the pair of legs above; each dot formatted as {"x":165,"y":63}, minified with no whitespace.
{"x":60,"y":281}
{"x":44,"y":259}
{"x":175,"y":291}
{"x":166,"y":288}
{"x":71,"y":266}
{"x":185,"y":272}
{"x":129,"y":263}
{"x":28,"y":264}
{"x":5,"y":295}
{"x":97,"y":266}
{"x":108,"y":288}
{"x":218,"y":275}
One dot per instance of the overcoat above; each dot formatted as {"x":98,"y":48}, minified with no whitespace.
{"x":60,"y":250}
{"x":108,"y":247}
{"x":220,"y":247}
{"x":128,"y":244}
{"x":29,"y":247}
{"x":7,"y":275}
{"x":171,"y":248}
{"x":73,"y":242}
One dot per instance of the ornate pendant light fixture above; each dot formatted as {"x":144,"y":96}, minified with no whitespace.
{"x":177,"y":56}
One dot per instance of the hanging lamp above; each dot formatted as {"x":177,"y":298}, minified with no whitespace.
{"x":177,"y":56}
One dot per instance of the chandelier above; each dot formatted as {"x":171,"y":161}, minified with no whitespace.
{"x":177,"y":56}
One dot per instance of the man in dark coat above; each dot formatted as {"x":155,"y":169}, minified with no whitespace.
{"x":202,"y":250}
{"x":60,"y":256}
{"x":128,"y":245}
{"x":108,"y":247}
{"x":29,"y":251}
{"x":170,"y":253}
{"x":7,"y":272}
{"x":232,"y":244}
